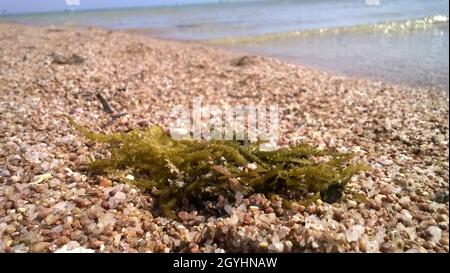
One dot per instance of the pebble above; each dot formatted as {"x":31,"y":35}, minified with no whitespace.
{"x":228,"y":209}
{"x":404,"y":201}
{"x":263,"y":245}
{"x":107,"y":219}
{"x":129,"y":177}
{"x":39,"y":247}
{"x":288,"y":245}
{"x":406,"y":217}
{"x":354,"y":233}
{"x":118,"y":198}
{"x":73,"y":156}
{"x":441,"y":197}
{"x":73,"y":247}
{"x":44,"y":212}
{"x":41,"y":178}
{"x":104,"y":182}
{"x":435,"y":233}
{"x":276,"y":247}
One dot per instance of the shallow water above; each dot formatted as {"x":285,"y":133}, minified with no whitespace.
{"x":399,"y":41}
{"x":416,"y":57}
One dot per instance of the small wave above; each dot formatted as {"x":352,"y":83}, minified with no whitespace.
{"x":384,"y":27}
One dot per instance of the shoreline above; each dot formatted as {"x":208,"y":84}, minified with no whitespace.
{"x":49,"y":203}
{"x":148,"y":32}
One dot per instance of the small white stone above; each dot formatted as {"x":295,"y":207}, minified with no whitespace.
{"x":41,"y":178}
{"x":21,"y":209}
{"x":118,"y":198}
{"x":435,"y":233}
{"x":219,"y":250}
{"x":288,"y":245}
{"x":233,"y":220}
{"x":179,"y":183}
{"x":73,"y":244}
{"x":74,"y":250}
{"x":406,"y":215}
{"x":277,"y":247}
{"x":404,"y":201}
{"x":68,"y":171}
{"x":351,"y":204}
{"x":107,"y":219}
{"x":228,"y":209}
{"x":238,"y":196}
{"x":60,"y":206}
{"x":129,"y":177}
{"x":354,"y":233}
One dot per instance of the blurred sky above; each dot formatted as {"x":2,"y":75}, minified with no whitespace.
{"x":25,"y":6}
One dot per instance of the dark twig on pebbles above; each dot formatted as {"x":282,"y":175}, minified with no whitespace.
{"x":107,"y":108}
{"x":60,"y":59}
{"x":104,"y":103}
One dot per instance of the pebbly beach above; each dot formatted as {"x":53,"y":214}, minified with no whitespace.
{"x":114,"y":81}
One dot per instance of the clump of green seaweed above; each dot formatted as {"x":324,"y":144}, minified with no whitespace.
{"x":196,"y":171}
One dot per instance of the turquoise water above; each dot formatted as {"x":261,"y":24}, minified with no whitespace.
{"x":400,"y":41}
